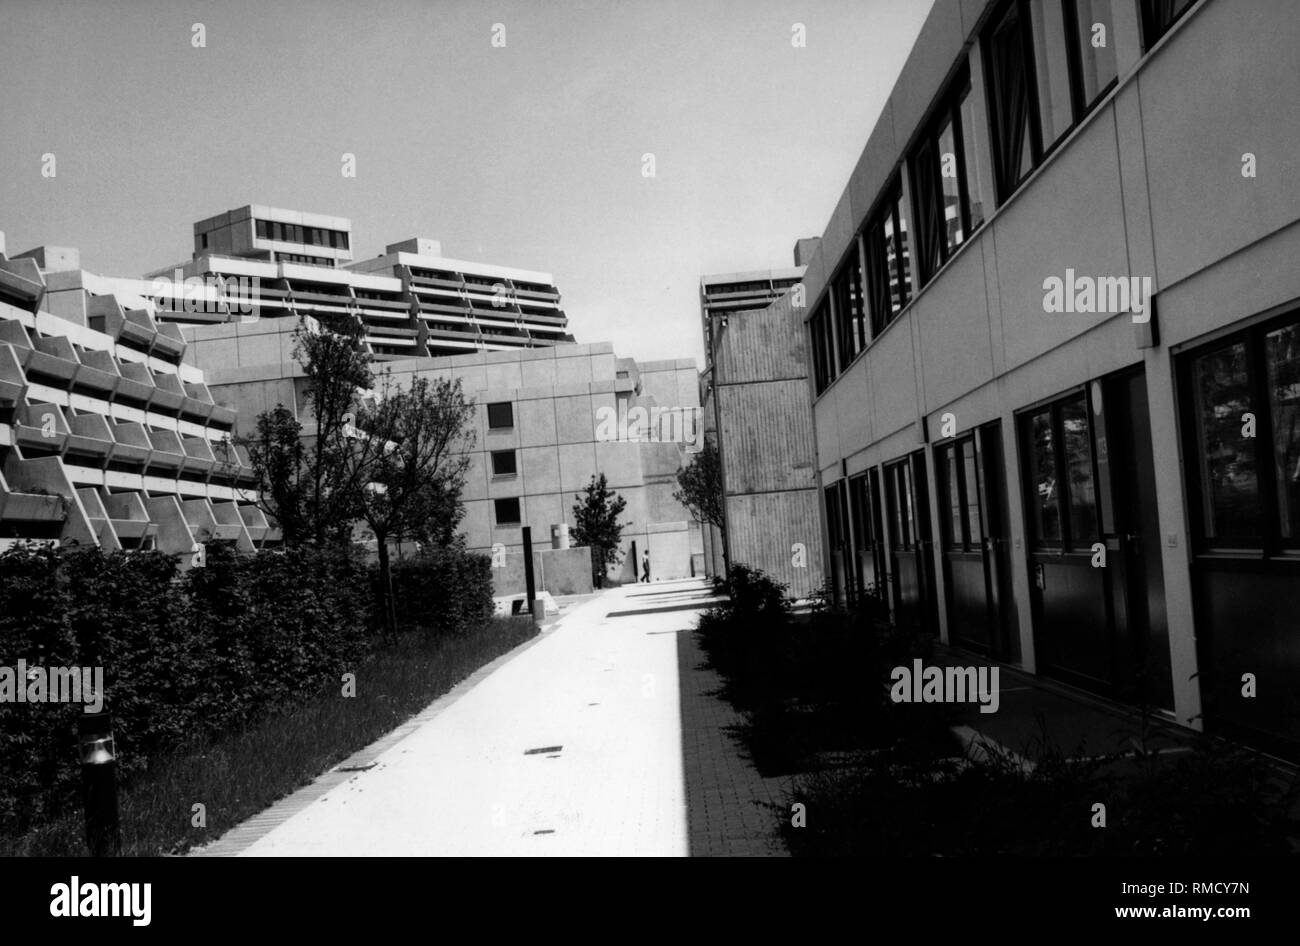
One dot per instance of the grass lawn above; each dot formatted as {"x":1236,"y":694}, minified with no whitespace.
{"x":241,"y":774}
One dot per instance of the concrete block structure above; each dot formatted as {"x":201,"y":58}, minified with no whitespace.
{"x":547,"y":419}
{"x":1054,"y":327}
{"x":758,"y":412}
{"x":107,"y":437}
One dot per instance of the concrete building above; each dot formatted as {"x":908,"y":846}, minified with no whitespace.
{"x":107,"y":437}
{"x":547,"y":420}
{"x":758,"y":412}
{"x":1055,"y":327}
{"x":265,"y":262}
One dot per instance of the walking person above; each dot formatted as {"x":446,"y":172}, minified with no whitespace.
{"x":645,"y":567}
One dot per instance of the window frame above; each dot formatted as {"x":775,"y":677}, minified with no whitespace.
{"x":1080,"y":109}
{"x":514,"y":462}
{"x":1069,"y":543}
{"x":496,"y":512}
{"x":1269,"y":543}
{"x":1153,"y":32}
{"x":888,"y":205}
{"x":497,"y":404}
{"x":946,"y":113}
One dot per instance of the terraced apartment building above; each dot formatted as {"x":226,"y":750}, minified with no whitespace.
{"x":1054,"y":324}
{"x":107,"y":437}
{"x":265,"y":262}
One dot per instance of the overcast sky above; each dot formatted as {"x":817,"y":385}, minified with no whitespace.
{"x":528,"y":155}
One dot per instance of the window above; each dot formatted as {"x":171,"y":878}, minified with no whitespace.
{"x":1093,"y":36}
{"x":503,"y":463}
{"x":501,"y":415}
{"x":1062,"y":499}
{"x":1047,"y":63}
{"x":507,"y":511}
{"x":1244,"y":428}
{"x":888,"y":281}
{"x":203,"y":241}
{"x":263,"y":230}
{"x":823,"y":352}
{"x":850,"y":316}
{"x":1158,"y":16}
{"x":960,"y":491}
{"x":945,"y":181}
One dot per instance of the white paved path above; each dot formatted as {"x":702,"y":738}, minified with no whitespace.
{"x":603,"y":688}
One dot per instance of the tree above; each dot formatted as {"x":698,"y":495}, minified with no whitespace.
{"x":337,"y":366}
{"x":276,"y":454}
{"x":408,"y":460}
{"x":700,"y":488}
{"x":306,"y":482}
{"x":595,"y":524}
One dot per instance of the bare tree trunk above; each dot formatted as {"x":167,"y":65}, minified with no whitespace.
{"x":387,"y":609}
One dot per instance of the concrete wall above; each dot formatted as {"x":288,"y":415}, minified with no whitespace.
{"x":1149,"y":184}
{"x":559,"y":571}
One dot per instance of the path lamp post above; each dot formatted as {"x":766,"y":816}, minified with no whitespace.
{"x":99,"y":784}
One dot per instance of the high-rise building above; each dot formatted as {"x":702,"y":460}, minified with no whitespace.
{"x":107,"y":436}
{"x":264,"y":262}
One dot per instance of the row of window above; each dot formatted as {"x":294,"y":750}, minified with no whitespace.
{"x":296,"y":233}
{"x":1046,"y":64}
{"x":1241,"y":436}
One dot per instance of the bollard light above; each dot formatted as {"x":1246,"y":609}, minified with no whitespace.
{"x":99,"y":784}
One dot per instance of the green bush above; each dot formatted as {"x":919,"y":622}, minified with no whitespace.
{"x":446,"y":591}
{"x":184,"y":657}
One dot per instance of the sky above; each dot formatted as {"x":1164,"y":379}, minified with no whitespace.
{"x":528,"y":154}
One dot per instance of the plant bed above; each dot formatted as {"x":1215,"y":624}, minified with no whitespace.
{"x":237,"y":775}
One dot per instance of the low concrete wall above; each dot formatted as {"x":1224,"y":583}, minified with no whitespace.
{"x":559,"y":571}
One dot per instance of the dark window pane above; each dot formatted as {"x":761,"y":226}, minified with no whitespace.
{"x":927,"y":189}
{"x":1082,"y":494}
{"x":909,"y":514}
{"x":503,"y":462}
{"x":1009,"y":82}
{"x":1158,"y":16}
{"x":953,"y":497}
{"x":878,"y":288}
{"x":974,"y":534}
{"x":263,"y":230}
{"x":1282,"y":353}
{"x":507,"y":511}
{"x":1045,"y":503}
{"x":1229,"y":481}
{"x":501,"y":414}
{"x":973,"y":164}
{"x":1095,"y":38}
{"x":1047,"y":29}
{"x":893,"y":267}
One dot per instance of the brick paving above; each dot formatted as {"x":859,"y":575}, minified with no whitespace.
{"x":725,"y":795}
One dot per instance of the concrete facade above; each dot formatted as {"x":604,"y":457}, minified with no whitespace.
{"x":574,"y":411}
{"x":1151,"y":180}
{"x":107,"y":437}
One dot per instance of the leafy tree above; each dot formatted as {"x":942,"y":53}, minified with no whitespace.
{"x":307,"y":482}
{"x":337,"y":366}
{"x":700,"y":488}
{"x":276,"y":453}
{"x":408,"y":460}
{"x":595,"y":524}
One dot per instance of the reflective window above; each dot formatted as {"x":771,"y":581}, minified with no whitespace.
{"x":1229,"y":479}
{"x":1282,"y":357}
{"x":1076,"y":440}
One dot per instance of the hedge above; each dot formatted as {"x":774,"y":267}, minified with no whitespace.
{"x":189,"y":656}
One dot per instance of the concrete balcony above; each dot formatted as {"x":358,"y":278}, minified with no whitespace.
{"x":89,"y":436}
{"x":168,"y":454}
{"x":98,"y":373}
{"x":198,"y":456}
{"x":15,"y":334}
{"x":53,"y":357}
{"x":136,"y":383}
{"x":132,"y":445}
{"x":41,"y":428}
{"x":168,"y":394}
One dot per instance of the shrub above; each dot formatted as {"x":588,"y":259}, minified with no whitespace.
{"x":447,"y":591}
